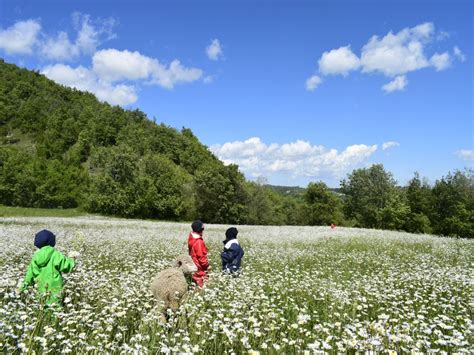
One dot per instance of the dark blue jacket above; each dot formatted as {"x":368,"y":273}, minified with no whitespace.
{"x":232,"y":255}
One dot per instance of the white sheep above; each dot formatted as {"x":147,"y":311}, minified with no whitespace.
{"x":170,"y":285}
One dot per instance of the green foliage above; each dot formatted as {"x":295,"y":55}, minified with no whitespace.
{"x":126,"y":184}
{"x":260,"y":207}
{"x":29,"y":181}
{"x":373,"y":201}
{"x":453,"y":204}
{"x":419,"y":200}
{"x":368,"y":192}
{"x":323,"y":207}
{"x":220,"y":194}
{"x":395,"y":212}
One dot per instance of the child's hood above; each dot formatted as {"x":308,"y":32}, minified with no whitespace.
{"x":229,"y":243}
{"x":43,"y":256}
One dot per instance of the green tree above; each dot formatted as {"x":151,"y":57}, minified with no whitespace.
{"x":168,"y":193}
{"x":220,"y":194}
{"x":260,"y":209}
{"x":453,"y":204}
{"x":418,"y":195}
{"x":114,"y":187}
{"x":368,"y":191}
{"x":323,"y":206}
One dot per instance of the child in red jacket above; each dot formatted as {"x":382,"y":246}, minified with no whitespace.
{"x":198,"y":252}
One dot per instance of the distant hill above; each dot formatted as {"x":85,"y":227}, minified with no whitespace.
{"x":298,"y":191}
{"x":287,"y":190}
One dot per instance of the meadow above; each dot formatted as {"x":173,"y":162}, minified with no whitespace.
{"x":302,"y":289}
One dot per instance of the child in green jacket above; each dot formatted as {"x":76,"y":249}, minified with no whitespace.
{"x":46,"y":267}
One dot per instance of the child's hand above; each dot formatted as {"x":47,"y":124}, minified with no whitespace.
{"x":74,"y":254}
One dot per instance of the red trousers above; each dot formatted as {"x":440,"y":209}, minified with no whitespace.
{"x":199,"y":277}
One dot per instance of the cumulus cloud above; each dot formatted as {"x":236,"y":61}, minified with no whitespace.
{"x":396,"y":84}
{"x":90,"y":34}
{"x":441,"y":61}
{"x":114,"y":65}
{"x":84,"y":79}
{"x":60,"y":48}
{"x":338,"y":61}
{"x":459,"y":54}
{"x":175,"y":73}
{"x":388,"y":145}
{"x":214,"y":50}
{"x":313,"y":82}
{"x":298,"y":159}
{"x":393,"y":55}
{"x":397,"y":54}
{"x":113,"y":70}
{"x":466,"y":154}
{"x":20,"y":38}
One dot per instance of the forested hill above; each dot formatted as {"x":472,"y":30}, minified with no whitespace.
{"x":61,"y":147}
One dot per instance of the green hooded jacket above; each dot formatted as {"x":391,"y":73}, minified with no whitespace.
{"x":45,"y":270}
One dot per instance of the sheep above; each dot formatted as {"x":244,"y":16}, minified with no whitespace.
{"x":169,"y":286}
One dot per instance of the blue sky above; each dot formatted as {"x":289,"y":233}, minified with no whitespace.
{"x":293,"y":91}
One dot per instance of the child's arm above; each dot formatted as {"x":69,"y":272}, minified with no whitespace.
{"x":201,"y":256}
{"x":64,"y":263}
{"x":31,"y":273}
{"x":226,"y":256}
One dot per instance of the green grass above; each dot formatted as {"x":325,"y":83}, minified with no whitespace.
{"x":6,"y":211}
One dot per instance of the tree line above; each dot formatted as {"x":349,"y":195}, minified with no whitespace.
{"x":61,"y":148}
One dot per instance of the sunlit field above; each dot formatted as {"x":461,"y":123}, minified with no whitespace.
{"x":302,"y":289}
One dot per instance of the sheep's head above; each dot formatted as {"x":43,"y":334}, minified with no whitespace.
{"x":186,"y":264}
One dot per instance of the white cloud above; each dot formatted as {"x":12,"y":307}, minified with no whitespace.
{"x":176,"y":73}
{"x":59,"y":48}
{"x":214,"y":50}
{"x":396,"y":84}
{"x":86,"y":80}
{"x":114,"y":65}
{"x":20,"y":38}
{"x":338,"y":61}
{"x":397,"y":54}
{"x":313,"y":82}
{"x":466,"y":154}
{"x":208,"y":79}
{"x":441,"y":61}
{"x":459,"y":54}
{"x":89,"y":37}
{"x":393,"y":55}
{"x":298,"y":159}
{"x":388,"y":145}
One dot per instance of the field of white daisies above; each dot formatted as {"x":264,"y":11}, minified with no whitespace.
{"x":302,"y":289}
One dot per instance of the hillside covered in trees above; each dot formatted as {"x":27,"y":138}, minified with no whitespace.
{"x":62,"y":148}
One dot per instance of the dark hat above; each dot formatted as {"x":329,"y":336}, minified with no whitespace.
{"x":43,"y":238}
{"x":197,"y":226}
{"x":231,"y":233}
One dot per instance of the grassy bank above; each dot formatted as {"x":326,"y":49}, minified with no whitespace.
{"x":7,"y":211}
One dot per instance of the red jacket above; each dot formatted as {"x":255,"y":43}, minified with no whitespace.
{"x":198,"y":251}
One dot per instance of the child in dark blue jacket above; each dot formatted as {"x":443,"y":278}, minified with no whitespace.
{"x":233,"y":252}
